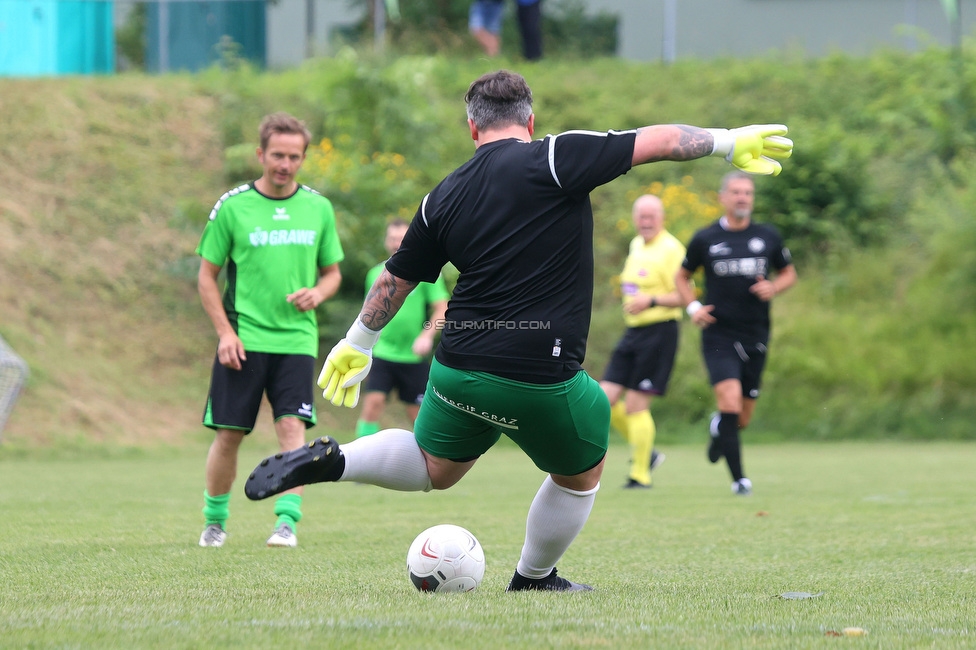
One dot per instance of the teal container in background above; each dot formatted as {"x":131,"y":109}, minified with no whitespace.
{"x":56,"y":37}
{"x":195,"y":35}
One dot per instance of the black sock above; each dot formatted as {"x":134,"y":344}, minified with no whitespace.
{"x":728,"y":433}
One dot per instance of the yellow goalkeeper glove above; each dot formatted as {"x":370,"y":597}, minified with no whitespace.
{"x":347,"y":366}
{"x":753,"y":149}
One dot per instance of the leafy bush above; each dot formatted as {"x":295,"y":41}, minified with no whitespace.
{"x":130,"y":38}
{"x":826,"y":197}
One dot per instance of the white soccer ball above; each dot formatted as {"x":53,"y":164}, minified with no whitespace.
{"x":446,"y":558}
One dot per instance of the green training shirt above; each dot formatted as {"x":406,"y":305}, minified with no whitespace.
{"x":396,"y":340}
{"x":271,"y":248}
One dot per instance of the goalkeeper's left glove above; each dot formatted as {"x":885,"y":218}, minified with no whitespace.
{"x":754,"y":148}
{"x":347,"y":365}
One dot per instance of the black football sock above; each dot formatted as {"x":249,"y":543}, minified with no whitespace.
{"x":728,"y":432}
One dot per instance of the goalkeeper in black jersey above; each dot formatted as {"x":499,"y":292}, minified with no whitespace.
{"x":515,"y":220}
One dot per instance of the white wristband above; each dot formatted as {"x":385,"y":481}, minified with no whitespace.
{"x":693,"y":307}
{"x":724,"y":142}
{"x":361,"y":336}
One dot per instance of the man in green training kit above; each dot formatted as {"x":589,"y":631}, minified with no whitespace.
{"x":278,"y":242}
{"x":400,"y":356}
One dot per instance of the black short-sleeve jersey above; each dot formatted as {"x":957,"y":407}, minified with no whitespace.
{"x":732,"y":262}
{"x":516,"y":222}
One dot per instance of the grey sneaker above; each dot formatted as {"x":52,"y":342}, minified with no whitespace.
{"x":742,"y":487}
{"x":213,"y":536}
{"x":656,"y":459}
{"x":283,"y":536}
{"x":551,"y":582}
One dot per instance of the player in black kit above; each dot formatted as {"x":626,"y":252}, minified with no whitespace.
{"x":745,"y":264}
{"x":516,"y":222}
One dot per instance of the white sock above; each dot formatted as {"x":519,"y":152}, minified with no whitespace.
{"x":390,"y":459}
{"x":556,"y":517}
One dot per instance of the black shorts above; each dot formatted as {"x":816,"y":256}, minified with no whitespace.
{"x":235,"y":395}
{"x":644,"y":358}
{"x":409,"y":379}
{"x":729,"y":358}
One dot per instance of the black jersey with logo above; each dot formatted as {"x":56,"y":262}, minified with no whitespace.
{"x":516,"y":221}
{"x":733,"y":261}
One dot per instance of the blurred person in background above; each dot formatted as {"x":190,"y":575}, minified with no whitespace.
{"x":641,"y":363}
{"x":485,"y":24}
{"x":400,"y":358}
{"x":745,"y":264}
{"x":529,"y":14}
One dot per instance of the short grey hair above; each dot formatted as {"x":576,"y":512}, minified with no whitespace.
{"x":733,"y":175}
{"x":499,"y":99}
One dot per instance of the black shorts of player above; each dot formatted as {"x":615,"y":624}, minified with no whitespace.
{"x":728,"y":356}
{"x":409,"y":379}
{"x":235,"y":395}
{"x":644,"y":358}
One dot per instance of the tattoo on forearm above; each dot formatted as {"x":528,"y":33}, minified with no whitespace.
{"x":693,"y":143}
{"x":384,"y":300}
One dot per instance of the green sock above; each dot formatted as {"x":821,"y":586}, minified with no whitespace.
{"x":215,"y":510}
{"x":288,"y":507}
{"x":364,"y":428}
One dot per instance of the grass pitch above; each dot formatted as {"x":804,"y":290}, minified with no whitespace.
{"x":101,"y":552}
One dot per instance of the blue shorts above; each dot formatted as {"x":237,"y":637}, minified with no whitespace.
{"x":487,"y":15}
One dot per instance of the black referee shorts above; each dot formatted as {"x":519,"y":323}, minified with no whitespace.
{"x":644,"y":358}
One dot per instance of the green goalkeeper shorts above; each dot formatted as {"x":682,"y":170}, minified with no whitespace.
{"x":564,"y":428}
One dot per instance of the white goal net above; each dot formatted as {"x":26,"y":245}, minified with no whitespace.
{"x":13,"y":376}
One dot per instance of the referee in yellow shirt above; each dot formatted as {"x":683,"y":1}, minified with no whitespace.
{"x":641,"y":363}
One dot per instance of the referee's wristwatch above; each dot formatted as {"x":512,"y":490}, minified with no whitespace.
{"x":653,"y":301}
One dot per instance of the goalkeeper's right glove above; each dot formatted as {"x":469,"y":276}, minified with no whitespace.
{"x":753,"y":148}
{"x":347,"y":365}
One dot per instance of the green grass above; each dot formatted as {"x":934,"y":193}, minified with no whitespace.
{"x":101,"y":552}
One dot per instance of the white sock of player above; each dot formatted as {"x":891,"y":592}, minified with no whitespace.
{"x":556,"y":517}
{"x":390,"y":459}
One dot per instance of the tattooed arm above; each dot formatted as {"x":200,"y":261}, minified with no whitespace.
{"x":384,"y":300}
{"x":756,"y":149}
{"x":671,"y":142}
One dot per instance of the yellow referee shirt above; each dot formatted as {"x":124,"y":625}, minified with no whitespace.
{"x":650,"y":270}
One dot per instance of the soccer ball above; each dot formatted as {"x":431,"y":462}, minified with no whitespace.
{"x":446,"y":558}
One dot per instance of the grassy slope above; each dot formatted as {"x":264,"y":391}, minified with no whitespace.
{"x":104,"y":185}
{"x":92,"y":289}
